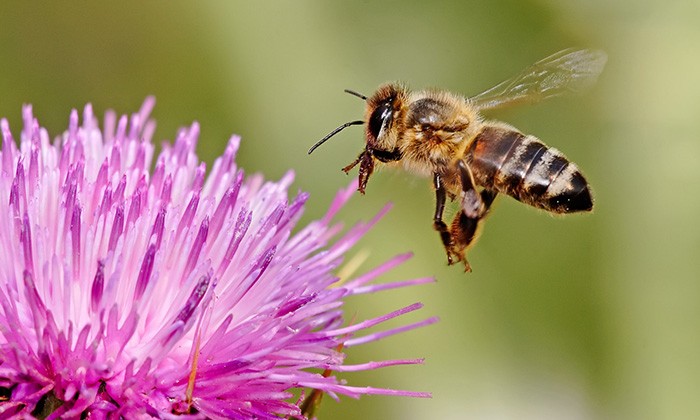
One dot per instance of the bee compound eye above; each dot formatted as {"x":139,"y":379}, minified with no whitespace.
{"x":381,"y":116}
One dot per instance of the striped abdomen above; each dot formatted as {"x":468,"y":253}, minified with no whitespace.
{"x":524,"y":168}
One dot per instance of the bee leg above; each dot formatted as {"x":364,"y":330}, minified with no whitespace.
{"x":472,"y":205}
{"x":487,"y":196}
{"x":438,"y":224}
{"x":462,"y":233}
{"x":475,"y":206}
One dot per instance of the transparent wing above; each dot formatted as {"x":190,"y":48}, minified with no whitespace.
{"x":568,"y":71}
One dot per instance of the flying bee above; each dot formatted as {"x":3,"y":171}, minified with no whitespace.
{"x":442,"y":135}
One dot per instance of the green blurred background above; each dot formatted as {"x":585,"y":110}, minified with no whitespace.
{"x":580,"y":317}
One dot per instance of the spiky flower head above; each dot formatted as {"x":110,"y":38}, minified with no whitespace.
{"x":137,"y":294}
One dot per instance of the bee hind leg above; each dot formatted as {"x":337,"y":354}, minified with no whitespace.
{"x":463,"y":229}
{"x":475,"y":206}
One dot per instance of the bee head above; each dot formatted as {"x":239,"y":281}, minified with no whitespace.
{"x":380,"y":118}
{"x":380,"y":141}
{"x":382,"y":109}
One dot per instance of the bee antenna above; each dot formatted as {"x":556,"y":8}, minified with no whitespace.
{"x":359,"y":95}
{"x":333,"y":133}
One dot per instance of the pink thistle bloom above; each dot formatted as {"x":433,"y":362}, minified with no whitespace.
{"x":137,"y":294}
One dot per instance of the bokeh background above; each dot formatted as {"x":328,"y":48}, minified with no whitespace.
{"x":581,"y":317}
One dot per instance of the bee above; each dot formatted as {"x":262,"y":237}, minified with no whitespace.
{"x":471,"y":160}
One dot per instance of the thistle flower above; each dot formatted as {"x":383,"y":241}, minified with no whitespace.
{"x":138,"y":294}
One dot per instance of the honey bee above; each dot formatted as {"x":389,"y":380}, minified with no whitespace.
{"x":442,"y":135}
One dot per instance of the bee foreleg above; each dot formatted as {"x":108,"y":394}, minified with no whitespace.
{"x":366,"y":161}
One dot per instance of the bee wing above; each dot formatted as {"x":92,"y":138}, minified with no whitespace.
{"x":568,"y":71}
